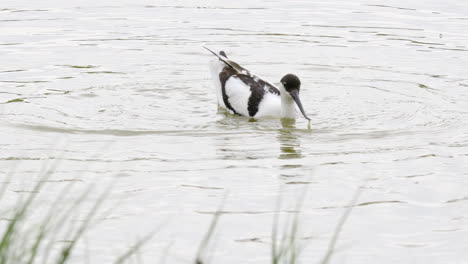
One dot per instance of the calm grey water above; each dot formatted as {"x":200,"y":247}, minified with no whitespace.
{"x":120,"y":91}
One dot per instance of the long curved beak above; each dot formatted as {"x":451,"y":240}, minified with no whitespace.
{"x":295,"y":96}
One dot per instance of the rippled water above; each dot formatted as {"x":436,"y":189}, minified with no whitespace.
{"x":120,"y":91}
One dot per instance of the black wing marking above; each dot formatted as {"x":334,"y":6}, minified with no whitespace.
{"x":224,"y":75}
{"x":258,"y":89}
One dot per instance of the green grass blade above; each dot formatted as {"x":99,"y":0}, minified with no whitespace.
{"x":339,"y":227}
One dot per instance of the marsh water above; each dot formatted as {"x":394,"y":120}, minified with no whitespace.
{"x":119,"y":93}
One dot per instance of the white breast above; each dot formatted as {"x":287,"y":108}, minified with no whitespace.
{"x":270,"y":106}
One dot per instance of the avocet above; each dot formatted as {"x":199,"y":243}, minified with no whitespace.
{"x":243,"y":93}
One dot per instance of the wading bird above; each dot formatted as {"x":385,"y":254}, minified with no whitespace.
{"x":243,"y":93}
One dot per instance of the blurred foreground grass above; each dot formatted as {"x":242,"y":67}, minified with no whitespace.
{"x":24,"y":242}
{"x":26,"y":239}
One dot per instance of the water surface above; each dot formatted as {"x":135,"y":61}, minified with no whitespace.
{"x":119,"y":91}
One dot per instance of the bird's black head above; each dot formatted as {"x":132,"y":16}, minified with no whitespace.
{"x":292,"y":85}
{"x":291,"y":82}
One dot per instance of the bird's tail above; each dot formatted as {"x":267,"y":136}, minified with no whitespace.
{"x":222,"y":57}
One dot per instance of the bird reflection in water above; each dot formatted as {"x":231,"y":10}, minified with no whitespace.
{"x":290,"y":145}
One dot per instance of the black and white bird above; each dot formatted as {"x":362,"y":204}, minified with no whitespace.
{"x":243,"y":93}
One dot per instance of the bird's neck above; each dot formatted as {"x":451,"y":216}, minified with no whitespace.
{"x":288,"y":106}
